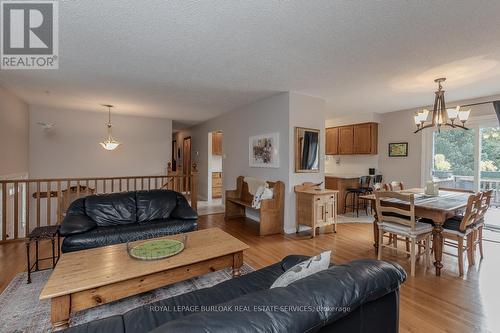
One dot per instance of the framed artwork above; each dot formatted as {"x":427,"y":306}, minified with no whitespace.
{"x":398,"y":149}
{"x":263,"y":151}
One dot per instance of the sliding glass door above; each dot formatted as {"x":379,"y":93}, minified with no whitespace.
{"x":467,"y":160}
{"x":489,"y":177}
{"x":454,"y":159}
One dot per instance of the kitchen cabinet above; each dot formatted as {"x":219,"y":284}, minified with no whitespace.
{"x":332,"y":141}
{"x":217,"y":143}
{"x":346,"y":140}
{"x":356,"y":139}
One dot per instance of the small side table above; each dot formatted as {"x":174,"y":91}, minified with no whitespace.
{"x":38,"y":234}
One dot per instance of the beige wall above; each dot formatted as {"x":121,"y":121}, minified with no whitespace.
{"x":13,"y":135}
{"x":72,"y":148}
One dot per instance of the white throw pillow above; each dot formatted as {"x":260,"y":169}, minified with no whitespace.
{"x":301,"y":270}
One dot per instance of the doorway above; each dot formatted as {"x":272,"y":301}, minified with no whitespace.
{"x":186,"y":162}
{"x":214,"y":203}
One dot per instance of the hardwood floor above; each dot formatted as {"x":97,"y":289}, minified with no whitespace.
{"x":428,"y":303}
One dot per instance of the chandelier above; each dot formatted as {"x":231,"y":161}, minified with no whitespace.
{"x":440,"y":115}
{"x":110,"y":143}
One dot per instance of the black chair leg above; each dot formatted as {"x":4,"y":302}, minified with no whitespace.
{"x":357,"y":204}
{"x":345,"y":201}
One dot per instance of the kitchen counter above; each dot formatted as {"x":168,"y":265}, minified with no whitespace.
{"x":341,"y":182}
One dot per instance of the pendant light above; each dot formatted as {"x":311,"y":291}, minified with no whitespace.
{"x":110,"y":143}
{"x":441,"y":116}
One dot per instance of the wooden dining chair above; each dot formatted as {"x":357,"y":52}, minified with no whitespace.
{"x":479,"y":224}
{"x":458,"y":232}
{"x":394,"y":186}
{"x":401,"y":221}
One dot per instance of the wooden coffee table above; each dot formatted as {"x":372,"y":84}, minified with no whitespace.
{"x":93,"y":277}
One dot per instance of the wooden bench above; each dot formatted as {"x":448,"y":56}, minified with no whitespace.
{"x":271,"y":210}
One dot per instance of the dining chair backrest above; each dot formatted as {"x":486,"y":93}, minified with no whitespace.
{"x":471,"y":211}
{"x":401,"y":210}
{"x":377,"y":179}
{"x":451,"y":189}
{"x":364,"y":181}
{"x":485,"y":202}
{"x":396,"y":186}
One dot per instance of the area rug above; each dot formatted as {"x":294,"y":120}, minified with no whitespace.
{"x":21,"y":311}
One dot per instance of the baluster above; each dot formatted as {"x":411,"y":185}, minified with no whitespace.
{"x":48,"y":203}
{"x":38,"y":204}
{"x":149,"y":183}
{"x":112,"y":185}
{"x":16,"y":209}
{"x":120,"y":186}
{"x":27,"y":209}
{"x":4,"y":211}
{"x":87,"y":187}
{"x":59,"y":202}
{"x":77,"y":188}
{"x":104,"y":186}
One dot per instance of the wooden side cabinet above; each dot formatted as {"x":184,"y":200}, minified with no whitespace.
{"x":316,"y":208}
{"x":357,"y":139}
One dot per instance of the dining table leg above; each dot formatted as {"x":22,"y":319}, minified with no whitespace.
{"x":438,"y":244}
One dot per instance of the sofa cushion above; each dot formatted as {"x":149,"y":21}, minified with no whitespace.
{"x":76,"y":224}
{"x":155,"y":204}
{"x":103,"y":236}
{"x":111,"y":209}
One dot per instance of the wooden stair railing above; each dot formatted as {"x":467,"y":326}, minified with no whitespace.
{"x":29,"y":203}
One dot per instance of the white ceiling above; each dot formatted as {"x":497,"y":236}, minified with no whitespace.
{"x":192,"y":60}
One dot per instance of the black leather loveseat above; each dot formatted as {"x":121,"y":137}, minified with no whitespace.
{"x":361,"y":296}
{"x":106,"y":219}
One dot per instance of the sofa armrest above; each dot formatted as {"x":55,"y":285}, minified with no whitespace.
{"x":183,"y":210}
{"x":76,"y":224}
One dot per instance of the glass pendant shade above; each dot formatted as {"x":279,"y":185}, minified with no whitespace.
{"x":110,"y":143}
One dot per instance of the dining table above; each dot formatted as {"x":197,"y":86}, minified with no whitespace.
{"x":438,"y":208}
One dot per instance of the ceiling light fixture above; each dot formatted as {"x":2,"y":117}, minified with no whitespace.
{"x":440,"y":115}
{"x":110,"y":143}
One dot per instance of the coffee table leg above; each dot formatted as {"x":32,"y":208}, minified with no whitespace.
{"x":60,"y":311}
{"x":237,"y":263}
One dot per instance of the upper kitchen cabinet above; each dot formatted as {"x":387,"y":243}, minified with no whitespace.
{"x":332,"y":141}
{"x":346,"y":140}
{"x":357,"y":139}
{"x":217,"y":143}
{"x":366,"y":138}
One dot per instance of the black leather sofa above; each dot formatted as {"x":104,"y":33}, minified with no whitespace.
{"x":105,"y":219}
{"x":361,"y":296}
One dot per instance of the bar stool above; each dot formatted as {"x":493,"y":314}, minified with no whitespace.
{"x":364,"y":188}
